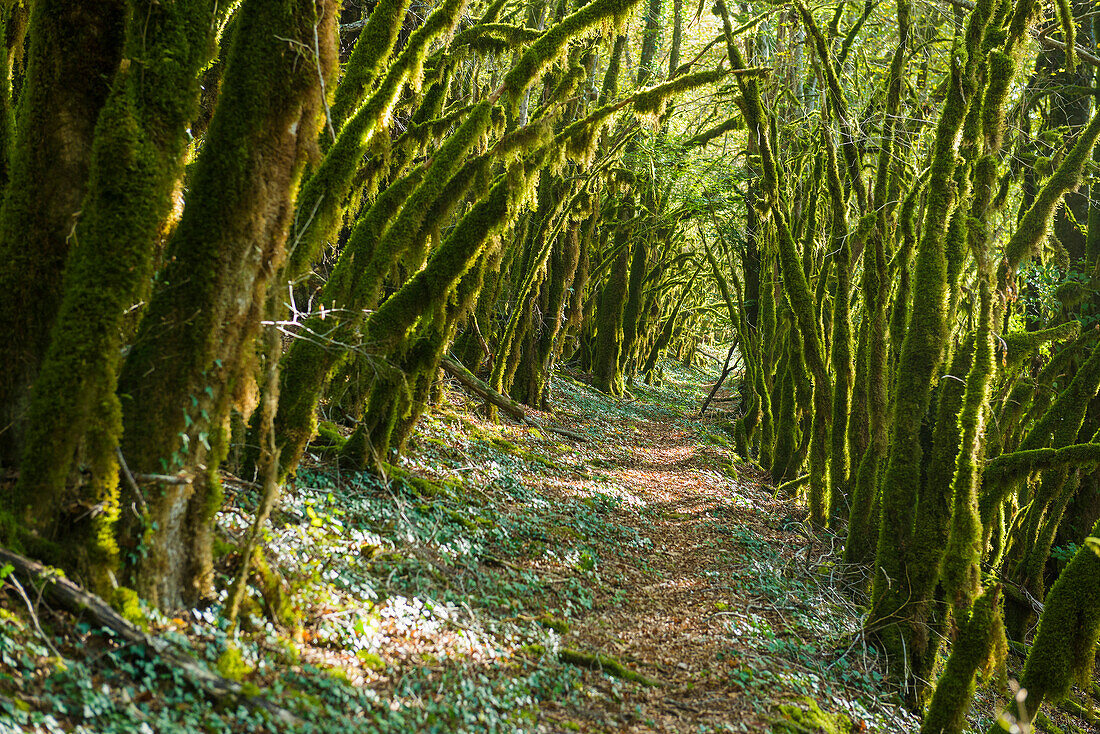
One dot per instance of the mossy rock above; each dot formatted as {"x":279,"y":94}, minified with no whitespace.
{"x":805,"y":716}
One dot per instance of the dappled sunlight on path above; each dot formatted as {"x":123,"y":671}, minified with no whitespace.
{"x":722,"y":608}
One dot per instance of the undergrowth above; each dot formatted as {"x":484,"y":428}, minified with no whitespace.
{"x":475,"y":588}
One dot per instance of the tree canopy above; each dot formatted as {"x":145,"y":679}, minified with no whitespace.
{"x":233,"y":233}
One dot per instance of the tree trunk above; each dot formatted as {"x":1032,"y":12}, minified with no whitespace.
{"x":193,"y":357}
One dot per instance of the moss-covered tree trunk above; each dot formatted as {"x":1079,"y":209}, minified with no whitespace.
{"x":606,"y":367}
{"x":74,"y":419}
{"x":193,"y":356}
{"x":901,"y":554}
{"x":1064,"y":651}
{"x":73,"y":50}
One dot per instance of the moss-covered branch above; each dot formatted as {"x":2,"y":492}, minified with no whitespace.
{"x":1018,"y":464}
{"x":323,"y":198}
{"x":975,"y":644}
{"x":549,"y":48}
{"x":1033,"y":227}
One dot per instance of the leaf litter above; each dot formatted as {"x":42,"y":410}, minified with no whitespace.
{"x":446,"y":596}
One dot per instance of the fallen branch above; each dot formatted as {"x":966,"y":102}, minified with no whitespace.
{"x":478,"y":387}
{"x":68,"y":595}
{"x":727,"y":368}
{"x":788,"y":488}
{"x":603,"y":664}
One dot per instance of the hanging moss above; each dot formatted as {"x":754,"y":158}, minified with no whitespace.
{"x":372,"y":49}
{"x":321,"y":202}
{"x":493,"y":38}
{"x":650,"y":104}
{"x":548,"y":49}
{"x":308,"y":361}
{"x":388,"y":324}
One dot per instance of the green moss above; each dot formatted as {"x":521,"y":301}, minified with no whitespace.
{"x":330,"y":433}
{"x":430,"y":287}
{"x":786,"y":425}
{"x":1018,"y":464}
{"x":277,"y":601}
{"x":806,"y":717}
{"x":307,"y":363}
{"x":1021,"y":345}
{"x":47,"y":177}
{"x":1034,"y":225}
{"x":901,"y":553}
{"x":1064,"y":649}
{"x":973,"y":648}
{"x":841,"y":341}
{"x":135,"y":163}
{"x":127,"y":603}
{"x":551,"y":622}
{"x":651,"y":103}
{"x":606,"y":373}
{"x":194,"y":350}
{"x":371,"y":661}
{"x":231,"y":664}
{"x":367,"y":60}
{"x":324,"y":196}
{"x":604,"y":664}
{"x":548,"y":49}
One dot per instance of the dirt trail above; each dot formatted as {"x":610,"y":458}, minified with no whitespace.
{"x":722,"y":605}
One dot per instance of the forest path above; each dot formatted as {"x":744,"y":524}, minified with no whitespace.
{"x":729,"y":605}
{"x":447,"y":598}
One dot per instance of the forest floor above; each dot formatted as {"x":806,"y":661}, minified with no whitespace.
{"x":501,"y":579}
